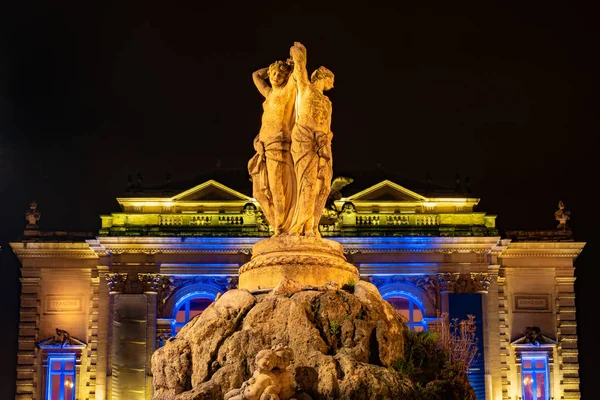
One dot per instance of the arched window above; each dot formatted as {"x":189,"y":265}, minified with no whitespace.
{"x":188,"y":307}
{"x":410,"y":308}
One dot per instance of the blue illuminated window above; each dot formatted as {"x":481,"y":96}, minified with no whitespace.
{"x":411,"y":310}
{"x":60,"y":381}
{"x":534,"y":372}
{"x":189,"y":307}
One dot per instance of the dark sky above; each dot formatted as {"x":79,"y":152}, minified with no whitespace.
{"x":504,"y":94}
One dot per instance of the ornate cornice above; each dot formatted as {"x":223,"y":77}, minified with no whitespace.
{"x":181,"y":250}
{"x":370,"y":250}
{"x":69,"y":254}
{"x":515,"y":254}
{"x":542,"y":249}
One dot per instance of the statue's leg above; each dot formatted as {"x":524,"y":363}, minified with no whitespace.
{"x":275,"y":169}
{"x":309,"y":194}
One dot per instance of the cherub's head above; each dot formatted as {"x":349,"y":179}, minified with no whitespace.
{"x":265,"y":360}
{"x":279,"y":72}
{"x":325,"y":75}
{"x":285,"y":356}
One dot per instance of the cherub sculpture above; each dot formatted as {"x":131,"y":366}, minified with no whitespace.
{"x":263,"y":385}
{"x":272,"y":379}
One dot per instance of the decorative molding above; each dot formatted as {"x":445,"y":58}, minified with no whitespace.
{"x":183,"y":250}
{"x":224,"y":283}
{"x":448,"y":281}
{"x":70,"y":254}
{"x":428,"y":284}
{"x":133,"y":283}
{"x":408,"y":249}
{"x":481,"y":281}
{"x":299,"y":261}
{"x":63,"y":304}
{"x":530,"y":302}
{"x":513,"y":254}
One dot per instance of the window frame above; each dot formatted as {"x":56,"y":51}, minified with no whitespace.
{"x":63,"y":358}
{"x":185,"y":302}
{"x":533,"y":357}
{"x":412,"y":301}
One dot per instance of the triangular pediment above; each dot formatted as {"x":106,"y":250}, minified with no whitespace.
{"x":387,"y":191}
{"x":210,"y":191}
{"x":534,"y":337}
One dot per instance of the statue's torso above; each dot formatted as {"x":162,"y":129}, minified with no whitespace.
{"x":278,"y":112}
{"x":314,"y":110}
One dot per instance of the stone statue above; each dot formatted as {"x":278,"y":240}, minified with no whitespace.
{"x":562,"y":216}
{"x":32,"y":215}
{"x":533,"y":335}
{"x":272,"y":379}
{"x":311,"y":144}
{"x":272,"y":168}
{"x":263,"y":384}
{"x":61,"y":339}
{"x":301,"y":161}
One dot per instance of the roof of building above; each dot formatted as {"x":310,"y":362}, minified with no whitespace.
{"x":239,"y":180}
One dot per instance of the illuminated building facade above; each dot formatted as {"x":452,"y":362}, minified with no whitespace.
{"x":95,"y":307}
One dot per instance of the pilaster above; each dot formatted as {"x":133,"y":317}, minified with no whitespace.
{"x":27,"y":352}
{"x":567,"y":374}
{"x":133,"y":303}
{"x":102,"y":336}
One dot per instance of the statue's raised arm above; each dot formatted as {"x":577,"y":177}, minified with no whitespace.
{"x":298,"y":54}
{"x":260,"y":80}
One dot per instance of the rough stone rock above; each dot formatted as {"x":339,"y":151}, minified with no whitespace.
{"x":343,"y":344}
{"x":287,"y":287}
{"x":175,"y":366}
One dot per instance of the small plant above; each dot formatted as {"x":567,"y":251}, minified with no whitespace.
{"x":334,"y":327}
{"x":349,"y":286}
{"x":438,"y":360}
{"x":459,"y":340}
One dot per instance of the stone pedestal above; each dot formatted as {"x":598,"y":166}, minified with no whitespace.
{"x":309,"y":261}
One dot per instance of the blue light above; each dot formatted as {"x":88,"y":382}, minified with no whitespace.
{"x":64,"y":388}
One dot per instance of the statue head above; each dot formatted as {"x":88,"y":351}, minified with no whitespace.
{"x":348,"y":208}
{"x":249,"y":209}
{"x":265,"y":360}
{"x":279,"y":72}
{"x":325,"y":75}
{"x":284,"y":356}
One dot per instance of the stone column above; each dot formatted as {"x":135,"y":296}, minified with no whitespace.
{"x":447,"y":282}
{"x":133,"y":334}
{"x":481,"y":282}
{"x":151,"y":282}
{"x":103,"y":331}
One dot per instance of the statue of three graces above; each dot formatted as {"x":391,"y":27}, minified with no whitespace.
{"x":292,"y":168}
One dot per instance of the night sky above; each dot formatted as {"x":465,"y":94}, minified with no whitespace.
{"x":506,"y":95}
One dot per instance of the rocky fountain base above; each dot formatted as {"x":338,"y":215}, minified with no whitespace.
{"x":343,"y":340}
